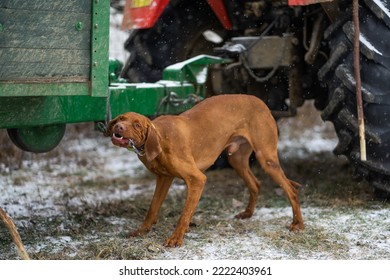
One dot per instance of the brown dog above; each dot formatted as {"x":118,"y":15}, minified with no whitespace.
{"x":184,"y":146}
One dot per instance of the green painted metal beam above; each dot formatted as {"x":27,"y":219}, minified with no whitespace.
{"x":16,"y":112}
{"x":193,"y":70}
{"x":99,"y":47}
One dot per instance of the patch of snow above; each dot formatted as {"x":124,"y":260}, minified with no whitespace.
{"x":118,"y":37}
{"x":382,"y":6}
{"x":38,"y":187}
{"x":311,"y":140}
{"x":365,"y":42}
{"x":251,"y":246}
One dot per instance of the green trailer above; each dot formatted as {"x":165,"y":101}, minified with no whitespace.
{"x":55,"y":69}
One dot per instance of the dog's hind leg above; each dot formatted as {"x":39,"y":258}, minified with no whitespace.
{"x":264,"y":143}
{"x":270,"y":163}
{"x":239,"y":160}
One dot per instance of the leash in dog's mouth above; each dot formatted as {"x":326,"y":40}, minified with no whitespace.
{"x":129,"y":143}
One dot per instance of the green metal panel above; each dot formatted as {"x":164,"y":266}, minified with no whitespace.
{"x":54,"y":47}
{"x":19,"y":112}
{"x":50,"y":5}
{"x":41,"y":42}
{"x":42,"y":89}
{"x":141,"y":98}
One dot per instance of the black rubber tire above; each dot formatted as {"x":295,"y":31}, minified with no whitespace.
{"x":338,"y":73}
{"x":37,"y":139}
{"x":176,"y":36}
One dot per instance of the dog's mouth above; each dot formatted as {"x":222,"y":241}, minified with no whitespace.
{"x":119,"y":140}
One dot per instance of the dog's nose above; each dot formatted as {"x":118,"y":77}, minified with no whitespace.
{"x":119,"y":128}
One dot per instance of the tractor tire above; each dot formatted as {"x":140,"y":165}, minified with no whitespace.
{"x":177,"y":35}
{"x":338,"y":74}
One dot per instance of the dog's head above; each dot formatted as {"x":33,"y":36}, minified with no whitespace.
{"x":134,"y":129}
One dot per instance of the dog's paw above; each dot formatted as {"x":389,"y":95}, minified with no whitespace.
{"x":244,"y":215}
{"x":173,"y":242}
{"x":296,"y":227}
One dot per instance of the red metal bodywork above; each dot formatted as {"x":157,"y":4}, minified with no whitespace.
{"x":221,"y":13}
{"x":140,"y":14}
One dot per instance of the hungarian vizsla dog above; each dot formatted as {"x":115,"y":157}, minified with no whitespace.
{"x":184,"y":146}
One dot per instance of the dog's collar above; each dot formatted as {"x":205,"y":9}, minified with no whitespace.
{"x":138,"y":150}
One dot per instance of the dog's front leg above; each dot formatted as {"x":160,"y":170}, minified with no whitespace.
{"x":195,"y":184}
{"x":162,"y":186}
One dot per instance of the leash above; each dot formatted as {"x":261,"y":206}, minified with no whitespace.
{"x":133,"y":148}
{"x":102,"y":126}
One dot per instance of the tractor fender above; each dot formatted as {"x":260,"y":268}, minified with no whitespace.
{"x":142,"y":14}
{"x":139,"y":14}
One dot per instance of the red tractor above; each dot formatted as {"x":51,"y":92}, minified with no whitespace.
{"x":284,"y":52}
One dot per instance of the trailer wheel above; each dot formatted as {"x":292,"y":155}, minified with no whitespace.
{"x":338,"y":73}
{"x":37,"y":139}
{"x":176,"y":36}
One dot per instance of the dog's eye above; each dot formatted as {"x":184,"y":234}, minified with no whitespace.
{"x":137,"y":125}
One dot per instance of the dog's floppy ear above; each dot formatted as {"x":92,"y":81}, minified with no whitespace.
{"x":152,"y":144}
